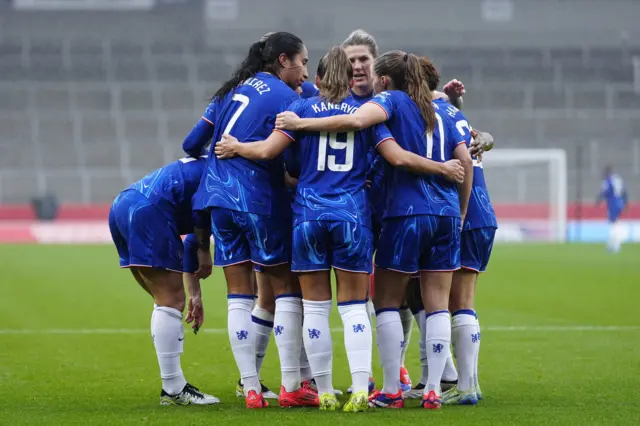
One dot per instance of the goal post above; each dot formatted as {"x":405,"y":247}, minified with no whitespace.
{"x":528,"y":188}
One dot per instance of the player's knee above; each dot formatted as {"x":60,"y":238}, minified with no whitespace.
{"x":462,"y":290}
{"x":176,"y":299}
{"x":268,"y":304}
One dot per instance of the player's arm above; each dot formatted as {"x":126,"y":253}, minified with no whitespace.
{"x":461,"y":153}
{"x":399,"y":157}
{"x":202,"y":231}
{"x":201,"y":133}
{"x":195,"y":310}
{"x":289,"y":180}
{"x":366,"y":116}
{"x":267,"y":149}
{"x":453,"y":92}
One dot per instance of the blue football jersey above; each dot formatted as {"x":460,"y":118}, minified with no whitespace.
{"x":309,"y":90}
{"x":333,"y":165}
{"x":247,"y":113}
{"x":480,"y":213}
{"x":172,"y":188}
{"x":615,"y":194}
{"x":375,"y":174}
{"x":409,"y":194}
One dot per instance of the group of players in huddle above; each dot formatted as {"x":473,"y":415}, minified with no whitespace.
{"x":301,"y":179}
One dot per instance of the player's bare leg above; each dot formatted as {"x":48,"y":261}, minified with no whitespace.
{"x":390,"y":289}
{"x":167,"y":290}
{"x":466,"y":338}
{"x":436,"y":287}
{"x":139,"y":280}
{"x":240,"y":298}
{"x":288,"y":334}
{"x":358,"y":336}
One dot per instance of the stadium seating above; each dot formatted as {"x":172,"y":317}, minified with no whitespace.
{"x":91,"y":115}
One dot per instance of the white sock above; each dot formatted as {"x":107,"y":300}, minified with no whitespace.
{"x":438,"y":341}
{"x":305,"y":368}
{"x":263,"y":324}
{"x":464,"y":336}
{"x":371,"y":312}
{"x":421,"y":320}
{"x":389,"y":330}
{"x":243,"y":337}
{"x":358,"y":340}
{"x":450,"y":373}
{"x":318,"y":343}
{"x":288,"y":333}
{"x":406,"y":317}
{"x":168,"y":336}
{"x":475,"y":363}
{"x":618,"y":235}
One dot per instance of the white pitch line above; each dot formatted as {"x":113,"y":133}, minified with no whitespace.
{"x":497,"y":328}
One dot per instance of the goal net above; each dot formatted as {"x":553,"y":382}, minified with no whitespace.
{"x":528,"y":189}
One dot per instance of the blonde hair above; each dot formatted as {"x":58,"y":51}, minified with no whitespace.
{"x":361,"y":38}
{"x":407,"y":74}
{"x":335,"y":73}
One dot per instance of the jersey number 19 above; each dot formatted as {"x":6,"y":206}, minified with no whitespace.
{"x":332,"y":140}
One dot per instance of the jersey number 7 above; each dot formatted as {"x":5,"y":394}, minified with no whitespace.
{"x":244,"y":103}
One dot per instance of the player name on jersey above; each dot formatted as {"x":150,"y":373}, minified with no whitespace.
{"x":326,"y":106}
{"x":258,"y":84}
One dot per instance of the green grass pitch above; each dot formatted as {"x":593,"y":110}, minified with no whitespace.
{"x":75,"y":346}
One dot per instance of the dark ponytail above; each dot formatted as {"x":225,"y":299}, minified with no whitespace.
{"x":263,"y":56}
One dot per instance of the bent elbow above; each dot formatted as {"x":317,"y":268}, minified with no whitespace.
{"x":400,"y":161}
{"x":466,"y":162}
{"x":357,"y":122}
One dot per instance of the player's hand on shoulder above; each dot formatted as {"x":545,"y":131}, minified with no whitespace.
{"x":287,"y":120}
{"x":225,"y":148}
{"x":454,"y":171}
{"x":454,"y":89}
{"x":205,"y":265}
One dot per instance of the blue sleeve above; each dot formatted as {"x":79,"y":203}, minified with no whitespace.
{"x":379,"y":134}
{"x":309,"y":90}
{"x":463,"y":129}
{"x":453,"y":138}
{"x":296,"y":107}
{"x":201,"y":133}
{"x":291,"y":161}
{"x":376,"y":164}
{"x":385,"y":101}
{"x":190,"y":259}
